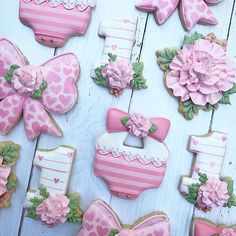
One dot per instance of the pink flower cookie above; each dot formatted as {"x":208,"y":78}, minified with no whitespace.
{"x":191,"y":12}
{"x":202,"y":227}
{"x":200,"y":74}
{"x":50,"y":203}
{"x":54,"y":21}
{"x":35,"y":91}
{"x":117,"y":163}
{"x":100,"y":220}
{"x":205,"y":188}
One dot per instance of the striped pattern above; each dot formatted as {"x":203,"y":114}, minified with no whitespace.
{"x":55,"y":168}
{"x":127,"y":179}
{"x":57,"y":23}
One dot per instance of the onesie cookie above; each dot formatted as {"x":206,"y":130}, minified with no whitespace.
{"x":55,"y":21}
{"x":205,"y":188}
{"x":35,"y":91}
{"x":202,"y":227}
{"x":191,"y":13}
{"x":9,"y":153}
{"x":50,"y":203}
{"x":100,"y":220}
{"x":199,"y":74}
{"x":130,"y":170}
{"x":115,"y":71}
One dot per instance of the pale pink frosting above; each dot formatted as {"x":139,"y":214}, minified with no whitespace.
{"x":27,"y":79}
{"x":228,"y":232}
{"x":201,"y":72}
{"x":53,"y":210}
{"x":138,"y":125}
{"x":4,"y":174}
{"x":212,"y":194}
{"x":119,"y":74}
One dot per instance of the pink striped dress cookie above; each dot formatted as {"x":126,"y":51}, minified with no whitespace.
{"x":191,"y":12}
{"x":50,"y":202}
{"x":54,"y":21}
{"x":130,"y":170}
{"x":115,"y":71}
{"x":205,"y":188}
{"x":100,"y":220}
{"x":35,"y":91}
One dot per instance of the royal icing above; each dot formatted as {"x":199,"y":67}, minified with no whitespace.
{"x":54,"y":21}
{"x":130,"y":170}
{"x":52,"y":205}
{"x":192,"y":13}
{"x":99,"y":219}
{"x":202,"y":227}
{"x":35,"y":91}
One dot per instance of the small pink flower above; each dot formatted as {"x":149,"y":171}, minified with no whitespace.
{"x":119,"y":74}
{"x":227,"y":232}
{"x":212,"y":194}
{"x":27,"y":79}
{"x":53,"y":210}
{"x":138,"y":125}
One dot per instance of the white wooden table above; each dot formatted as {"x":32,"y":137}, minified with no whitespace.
{"x":87,"y":120}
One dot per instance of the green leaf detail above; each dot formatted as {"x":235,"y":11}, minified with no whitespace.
{"x":10,"y":152}
{"x":153,"y":129}
{"x":138,"y":82}
{"x":31,"y":211}
{"x":226,"y":96}
{"x":43,"y":192}
{"x":193,"y":193}
{"x":38,"y":92}
{"x":203,"y":178}
{"x":210,"y":107}
{"x":75,"y":214}
{"x":112,"y":57}
{"x":43,"y":85}
{"x":188,"y":109}
{"x":165,"y":57}
{"x":9,"y":75}
{"x":100,"y":80}
{"x":138,"y":68}
{"x":125,"y":120}
{"x":192,"y":39}
{"x":12,"y":183}
{"x":113,"y":232}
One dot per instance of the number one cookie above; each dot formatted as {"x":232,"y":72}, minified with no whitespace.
{"x":210,"y":151}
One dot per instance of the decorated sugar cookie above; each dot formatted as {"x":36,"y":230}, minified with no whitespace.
{"x":51,"y":203}
{"x":200,"y":75}
{"x":9,"y":153}
{"x":205,"y":188}
{"x":35,"y":91}
{"x":202,"y":227}
{"x":100,"y":220}
{"x":130,"y":170}
{"x":191,"y":12}
{"x":115,"y":71}
{"x":54,"y":21}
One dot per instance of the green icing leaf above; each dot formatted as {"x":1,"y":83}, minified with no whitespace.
{"x":192,"y":39}
{"x":75,"y":214}
{"x":125,"y":120}
{"x":226,"y":96}
{"x":31,"y":211}
{"x":153,"y":128}
{"x":12,"y":183}
{"x":43,"y":192}
{"x":100,"y":80}
{"x":232,"y":200}
{"x":112,"y":57}
{"x":10,"y":152}
{"x":188,"y":109}
{"x":210,"y":107}
{"x":113,"y":232}
{"x":38,"y":92}
{"x":9,"y":75}
{"x":138,"y":68}
{"x":138,"y":81}
{"x":165,"y":57}
{"x":203,"y":178}
{"x":43,"y":85}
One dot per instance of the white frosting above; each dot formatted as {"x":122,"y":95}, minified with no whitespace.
{"x":153,"y":151}
{"x":68,"y":4}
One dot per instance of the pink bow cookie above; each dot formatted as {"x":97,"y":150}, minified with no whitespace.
{"x":35,"y":90}
{"x":100,"y":220}
{"x":4,"y":173}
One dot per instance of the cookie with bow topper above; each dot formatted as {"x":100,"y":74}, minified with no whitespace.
{"x":100,"y":220}
{"x":35,"y":91}
{"x":9,"y":153}
{"x":129,"y":170}
{"x":200,"y":75}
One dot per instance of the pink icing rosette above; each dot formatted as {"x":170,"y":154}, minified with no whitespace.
{"x":201,"y":72}
{"x":227,"y":232}
{"x":212,"y":194}
{"x":53,"y":210}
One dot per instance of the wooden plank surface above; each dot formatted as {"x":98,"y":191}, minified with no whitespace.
{"x":87,"y":119}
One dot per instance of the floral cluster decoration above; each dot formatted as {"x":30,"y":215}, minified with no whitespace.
{"x":55,"y":209}
{"x":119,"y":74}
{"x":199,"y":74}
{"x":226,"y":232}
{"x":212,"y":192}
{"x":9,"y":153}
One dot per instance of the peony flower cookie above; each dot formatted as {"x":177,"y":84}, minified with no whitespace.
{"x":191,"y":12}
{"x":117,"y":163}
{"x":202,"y":227}
{"x":115,"y":71}
{"x":55,"y":21}
{"x":9,"y":153}
{"x":50,"y":203}
{"x":200,"y":75}
{"x":205,"y":188}
{"x":35,"y":91}
{"x":100,"y":220}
